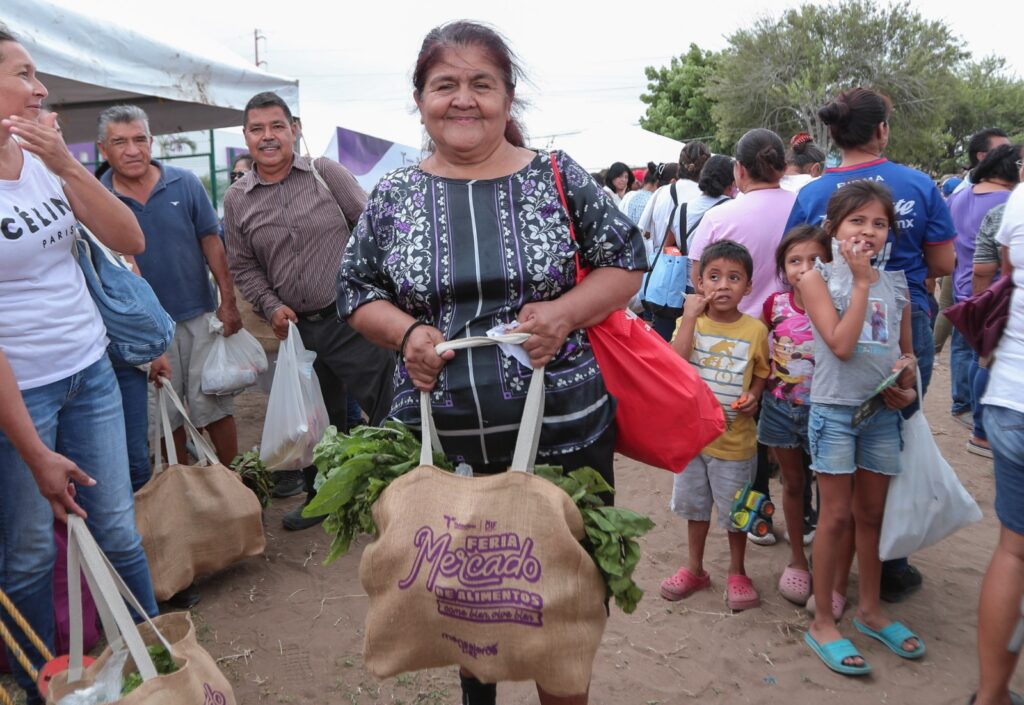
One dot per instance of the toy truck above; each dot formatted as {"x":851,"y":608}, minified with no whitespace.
{"x":751,"y":511}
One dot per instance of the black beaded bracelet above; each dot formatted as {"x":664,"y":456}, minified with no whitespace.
{"x":405,"y":338}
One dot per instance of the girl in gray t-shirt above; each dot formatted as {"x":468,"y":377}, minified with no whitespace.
{"x":862,"y":336}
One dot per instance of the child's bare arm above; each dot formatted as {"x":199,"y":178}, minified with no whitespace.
{"x":839,"y":333}
{"x":693,"y":307}
{"x":904,"y":392}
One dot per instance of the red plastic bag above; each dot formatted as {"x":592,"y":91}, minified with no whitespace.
{"x":62,"y":616}
{"x":666,"y":414}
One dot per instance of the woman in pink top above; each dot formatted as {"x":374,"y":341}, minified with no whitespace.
{"x":756,"y":219}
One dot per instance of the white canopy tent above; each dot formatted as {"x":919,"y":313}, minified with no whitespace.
{"x":596,"y":148}
{"x":88,"y":65}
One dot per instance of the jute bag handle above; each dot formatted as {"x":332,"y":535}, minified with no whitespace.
{"x":533,"y":411}
{"x":107,"y":589}
{"x":207,"y":455}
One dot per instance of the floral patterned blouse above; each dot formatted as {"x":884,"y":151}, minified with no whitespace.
{"x":465,"y":256}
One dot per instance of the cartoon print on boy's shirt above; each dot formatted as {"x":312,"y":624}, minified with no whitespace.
{"x":721,"y":363}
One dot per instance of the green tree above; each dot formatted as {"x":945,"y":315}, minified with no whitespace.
{"x":677,"y":103}
{"x":780,"y":71}
{"x":985,"y":95}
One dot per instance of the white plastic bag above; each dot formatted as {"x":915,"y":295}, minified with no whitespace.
{"x":234,"y":363}
{"x":107,"y":686}
{"x":296,"y":414}
{"x":926,"y":502}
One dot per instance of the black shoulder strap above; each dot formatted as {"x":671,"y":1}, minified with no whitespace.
{"x":671,"y":218}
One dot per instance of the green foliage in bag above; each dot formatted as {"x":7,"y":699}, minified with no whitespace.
{"x":354,"y":469}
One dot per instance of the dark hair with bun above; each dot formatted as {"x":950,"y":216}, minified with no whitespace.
{"x":667,"y":172}
{"x":854,"y":115}
{"x":464,"y":33}
{"x":762,"y":154}
{"x":651,"y":175}
{"x":999,"y":163}
{"x":716,"y":176}
{"x":804,"y":153}
{"x":692,"y":159}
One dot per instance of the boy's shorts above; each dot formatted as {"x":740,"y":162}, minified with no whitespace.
{"x":710,"y":481}
{"x":782,"y":423}
{"x":839,"y":448}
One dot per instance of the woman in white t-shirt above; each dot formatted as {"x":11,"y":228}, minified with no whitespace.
{"x":618,"y":181}
{"x":62,"y":438}
{"x":1003,"y":586}
{"x":654,"y":221}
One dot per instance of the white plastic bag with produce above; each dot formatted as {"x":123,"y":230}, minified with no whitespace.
{"x":234,"y":362}
{"x":296,"y":413}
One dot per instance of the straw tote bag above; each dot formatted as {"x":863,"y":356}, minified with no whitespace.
{"x":484,"y":572}
{"x":194,"y":519}
{"x":198,"y":680}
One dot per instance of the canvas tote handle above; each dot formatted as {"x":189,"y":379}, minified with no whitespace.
{"x":107,"y":588}
{"x":207,"y":455}
{"x":533,"y":411}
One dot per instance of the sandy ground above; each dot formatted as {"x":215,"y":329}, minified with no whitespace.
{"x":286,"y":629}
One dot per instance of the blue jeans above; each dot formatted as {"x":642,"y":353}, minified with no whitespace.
{"x":1007,"y":438}
{"x":960,"y":373}
{"x":134,"y":390}
{"x":79,"y":416}
{"x":979,"y":380}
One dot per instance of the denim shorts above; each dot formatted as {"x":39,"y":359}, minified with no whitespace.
{"x":839,"y":448}
{"x":782,"y":423}
{"x":1005,"y":429}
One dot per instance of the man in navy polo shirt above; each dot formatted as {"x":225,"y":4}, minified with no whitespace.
{"x":182,"y":248}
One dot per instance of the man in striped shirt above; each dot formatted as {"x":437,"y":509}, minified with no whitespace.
{"x":287,"y":222}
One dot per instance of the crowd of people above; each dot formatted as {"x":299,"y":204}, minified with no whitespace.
{"x":806,"y":286}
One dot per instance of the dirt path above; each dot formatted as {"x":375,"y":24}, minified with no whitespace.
{"x":288,"y":630}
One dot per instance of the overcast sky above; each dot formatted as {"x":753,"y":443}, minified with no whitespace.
{"x":585,"y":60}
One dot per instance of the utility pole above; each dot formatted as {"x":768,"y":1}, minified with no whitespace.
{"x":256,"y":37}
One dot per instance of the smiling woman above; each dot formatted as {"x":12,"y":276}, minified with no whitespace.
{"x":474,"y":237}
{"x":62,"y":437}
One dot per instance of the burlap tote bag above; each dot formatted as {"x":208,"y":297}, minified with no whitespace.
{"x":194,"y":519}
{"x":487,"y":572}
{"x":197,"y":681}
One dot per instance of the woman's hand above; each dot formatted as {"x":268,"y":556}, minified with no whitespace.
{"x":54,"y":475}
{"x":421,"y":359}
{"x":548,"y":326}
{"x":43,"y":139}
{"x":858,"y":258}
{"x":160,"y":367}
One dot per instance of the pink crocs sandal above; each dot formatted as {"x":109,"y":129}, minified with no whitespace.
{"x":795,"y":585}
{"x":740,"y":593}
{"x":838,"y":605}
{"x":683,"y":584}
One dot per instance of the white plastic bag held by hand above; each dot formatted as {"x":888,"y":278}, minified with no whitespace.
{"x":296,"y":414}
{"x":926,"y":502}
{"x":233,"y":363}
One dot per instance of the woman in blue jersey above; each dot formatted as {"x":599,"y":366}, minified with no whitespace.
{"x":858,"y":122}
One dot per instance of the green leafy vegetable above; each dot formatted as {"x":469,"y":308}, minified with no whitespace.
{"x":162,"y":660}
{"x":611,"y":532}
{"x":254,"y":475}
{"x":354,"y":469}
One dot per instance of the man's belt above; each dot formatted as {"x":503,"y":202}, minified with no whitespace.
{"x":323,"y":314}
